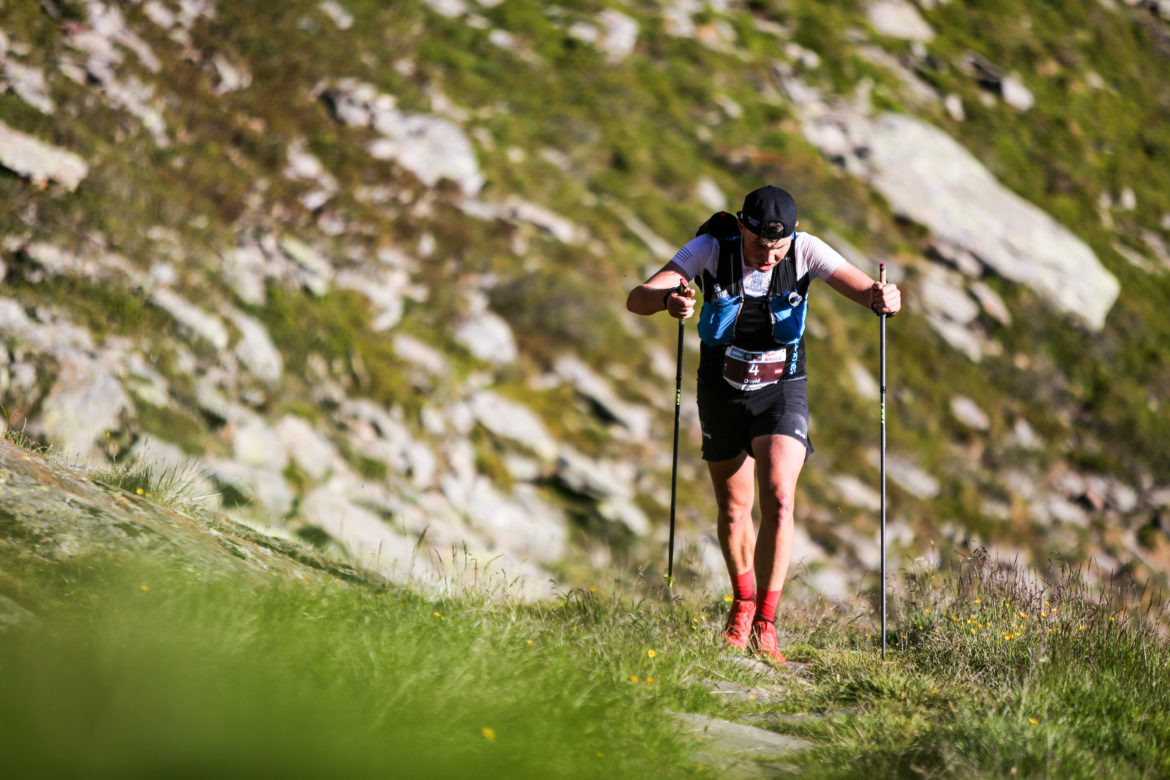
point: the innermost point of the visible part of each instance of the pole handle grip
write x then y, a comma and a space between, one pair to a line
882, 273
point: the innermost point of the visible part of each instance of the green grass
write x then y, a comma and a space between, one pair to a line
991, 674
144, 667
170, 486
144, 671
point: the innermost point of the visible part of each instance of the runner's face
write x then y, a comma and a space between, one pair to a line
763, 254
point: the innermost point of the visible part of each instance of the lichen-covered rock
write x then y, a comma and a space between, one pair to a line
432, 148
84, 402
56, 513
929, 178
199, 322
255, 348
513, 422
38, 161
898, 19
28, 83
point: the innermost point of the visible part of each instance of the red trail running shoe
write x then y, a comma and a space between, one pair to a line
764, 641
739, 623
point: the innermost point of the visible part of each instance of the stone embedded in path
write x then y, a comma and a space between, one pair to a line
726, 690
737, 750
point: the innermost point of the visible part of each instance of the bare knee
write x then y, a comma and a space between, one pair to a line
778, 505
734, 513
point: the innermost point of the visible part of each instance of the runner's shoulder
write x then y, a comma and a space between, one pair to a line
702, 251
817, 253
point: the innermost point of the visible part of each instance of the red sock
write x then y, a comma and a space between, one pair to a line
743, 586
766, 605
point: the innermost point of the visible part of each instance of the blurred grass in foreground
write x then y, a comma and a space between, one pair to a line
134, 666
133, 670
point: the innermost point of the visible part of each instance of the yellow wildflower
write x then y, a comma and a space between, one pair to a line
488, 734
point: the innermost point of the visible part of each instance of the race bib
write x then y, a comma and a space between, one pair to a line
746, 370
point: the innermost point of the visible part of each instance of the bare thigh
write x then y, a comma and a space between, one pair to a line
779, 460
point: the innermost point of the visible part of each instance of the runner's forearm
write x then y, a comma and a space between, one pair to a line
646, 300
650, 296
853, 283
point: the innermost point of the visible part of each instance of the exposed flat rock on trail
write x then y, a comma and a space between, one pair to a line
53, 512
741, 751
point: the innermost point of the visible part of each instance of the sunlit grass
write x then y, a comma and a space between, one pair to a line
145, 670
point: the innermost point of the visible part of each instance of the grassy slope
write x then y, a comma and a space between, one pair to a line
139, 667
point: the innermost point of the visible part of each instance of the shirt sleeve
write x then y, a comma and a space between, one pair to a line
701, 252
820, 258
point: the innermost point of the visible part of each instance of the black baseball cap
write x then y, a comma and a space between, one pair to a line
765, 205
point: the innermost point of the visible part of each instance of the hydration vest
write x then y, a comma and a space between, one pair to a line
730, 318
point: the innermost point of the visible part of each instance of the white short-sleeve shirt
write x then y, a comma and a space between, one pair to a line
812, 256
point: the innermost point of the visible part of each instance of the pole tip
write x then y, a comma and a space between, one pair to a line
669, 580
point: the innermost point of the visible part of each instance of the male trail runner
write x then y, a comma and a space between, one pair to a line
755, 272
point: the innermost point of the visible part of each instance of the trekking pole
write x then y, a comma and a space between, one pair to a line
682, 287
882, 279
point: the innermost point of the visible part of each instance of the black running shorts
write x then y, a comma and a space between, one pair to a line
731, 419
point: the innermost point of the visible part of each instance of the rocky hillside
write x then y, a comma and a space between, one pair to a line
361, 266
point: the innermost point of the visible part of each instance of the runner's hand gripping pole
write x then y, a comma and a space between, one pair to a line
882, 280
682, 288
